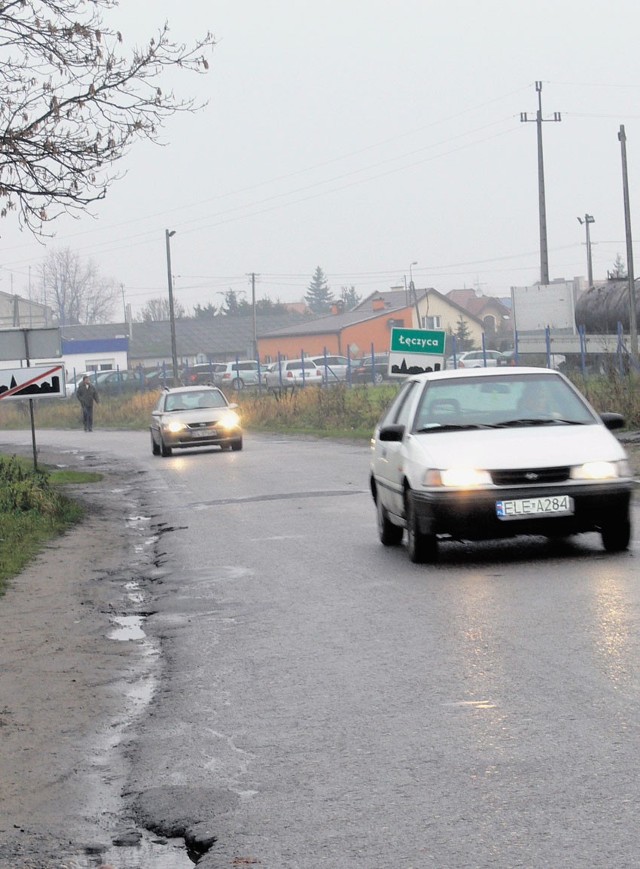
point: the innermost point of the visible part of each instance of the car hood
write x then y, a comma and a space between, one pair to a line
203, 414
533, 446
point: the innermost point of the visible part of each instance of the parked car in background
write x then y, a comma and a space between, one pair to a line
370, 370
476, 359
203, 373
194, 416
494, 453
116, 382
239, 374
159, 378
334, 369
289, 373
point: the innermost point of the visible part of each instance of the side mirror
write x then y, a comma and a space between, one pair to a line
612, 421
391, 433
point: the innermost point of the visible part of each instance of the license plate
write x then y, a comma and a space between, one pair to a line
523, 508
205, 433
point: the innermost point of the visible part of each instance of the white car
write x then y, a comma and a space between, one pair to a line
491, 453
476, 359
335, 369
72, 383
289, 373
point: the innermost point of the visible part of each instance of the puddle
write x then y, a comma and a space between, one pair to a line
127, 628
151, 852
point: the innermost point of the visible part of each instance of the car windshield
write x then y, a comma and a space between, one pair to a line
193, 400
500, 402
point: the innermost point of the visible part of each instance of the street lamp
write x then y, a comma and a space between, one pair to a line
172, 318
411, 286
588, 218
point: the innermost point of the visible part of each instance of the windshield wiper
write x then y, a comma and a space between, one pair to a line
523, 421
438, 427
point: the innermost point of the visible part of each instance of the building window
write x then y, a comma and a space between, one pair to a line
432, 322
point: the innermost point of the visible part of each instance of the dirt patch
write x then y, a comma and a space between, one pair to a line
68, 689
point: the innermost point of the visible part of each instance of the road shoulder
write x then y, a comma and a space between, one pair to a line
67, 685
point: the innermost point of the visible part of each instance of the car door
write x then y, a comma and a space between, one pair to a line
388, 456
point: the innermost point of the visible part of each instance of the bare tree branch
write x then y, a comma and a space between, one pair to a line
72, 104
75, 291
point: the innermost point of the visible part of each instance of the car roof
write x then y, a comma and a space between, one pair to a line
201, 388
462, 373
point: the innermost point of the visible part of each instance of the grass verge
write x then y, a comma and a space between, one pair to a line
33, 510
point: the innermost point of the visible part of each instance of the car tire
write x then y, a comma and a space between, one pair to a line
238, 384
422, 548
236, 445
155, 449
165, 451
389, 534
616, 533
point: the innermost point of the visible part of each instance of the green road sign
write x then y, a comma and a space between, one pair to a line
422, 341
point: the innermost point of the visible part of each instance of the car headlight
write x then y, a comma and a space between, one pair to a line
174, 426
459, 478
229, 420
601, 470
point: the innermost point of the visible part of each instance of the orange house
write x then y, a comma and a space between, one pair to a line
359, 332
354, 333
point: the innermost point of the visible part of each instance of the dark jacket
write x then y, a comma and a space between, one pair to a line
86, 394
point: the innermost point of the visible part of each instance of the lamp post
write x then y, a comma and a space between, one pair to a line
633, 325
588, 218
172, 318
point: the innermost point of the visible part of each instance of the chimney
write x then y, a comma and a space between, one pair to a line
378, 303
338, 306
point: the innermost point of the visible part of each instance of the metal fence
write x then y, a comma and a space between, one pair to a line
578, 352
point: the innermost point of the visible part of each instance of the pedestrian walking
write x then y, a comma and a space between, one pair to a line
87, 395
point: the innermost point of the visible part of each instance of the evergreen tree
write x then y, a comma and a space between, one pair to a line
464, 341
204, 312
350, 298
619, 271
233, 306
319, 297
268, 306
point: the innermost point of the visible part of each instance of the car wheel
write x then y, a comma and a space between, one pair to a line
422, 548
164, 449
378, 377
236, 445
389, 534
238, 384
616, 533
155, 449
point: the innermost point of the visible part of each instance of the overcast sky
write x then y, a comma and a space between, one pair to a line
362, 136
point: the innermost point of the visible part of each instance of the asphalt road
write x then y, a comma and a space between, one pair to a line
322, 702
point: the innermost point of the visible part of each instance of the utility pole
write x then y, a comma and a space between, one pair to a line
412, 289
172, 317
633, 325
542, 207
588, 218
253, 314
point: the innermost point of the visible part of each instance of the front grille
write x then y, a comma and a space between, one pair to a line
530, 476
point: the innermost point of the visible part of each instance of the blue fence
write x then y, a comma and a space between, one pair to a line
372, 368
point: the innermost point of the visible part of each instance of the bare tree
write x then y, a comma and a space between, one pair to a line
75, 291
158, 309
71, 103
